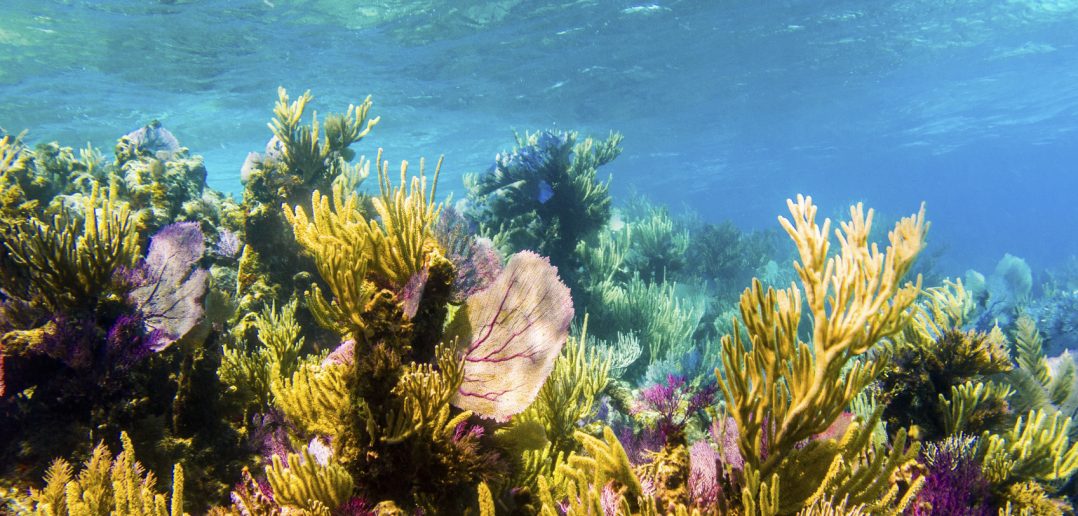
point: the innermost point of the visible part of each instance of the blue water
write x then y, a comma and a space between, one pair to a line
727, 107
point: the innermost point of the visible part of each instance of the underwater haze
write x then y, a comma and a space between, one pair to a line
728, 108
612, 258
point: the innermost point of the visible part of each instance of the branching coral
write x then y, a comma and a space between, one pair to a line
566, 401
305, 150
663, 320
780, 390
71, 260
356, 256
658, 245
1036, 448
249, 374
544, 195
103, 486
298, 160
595, 480
309, 484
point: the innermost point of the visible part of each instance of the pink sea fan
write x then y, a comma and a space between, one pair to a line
172, 287
509, 336
703, 474
345, 354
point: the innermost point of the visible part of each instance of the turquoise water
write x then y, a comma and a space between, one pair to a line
728, 108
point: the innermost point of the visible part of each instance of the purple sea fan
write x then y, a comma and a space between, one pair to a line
476, 261
228, 244
170, 297
124, 342
509, 336
70, 341
703, 474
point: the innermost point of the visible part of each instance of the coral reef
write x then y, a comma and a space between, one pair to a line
372, 352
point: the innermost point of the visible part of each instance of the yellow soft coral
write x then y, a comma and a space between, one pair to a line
357, 256
780, 390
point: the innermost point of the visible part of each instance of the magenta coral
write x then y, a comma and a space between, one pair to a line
703, 474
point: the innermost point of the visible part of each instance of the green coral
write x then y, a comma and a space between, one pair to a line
1038, 386
306, 151
566, 400
1036, 448
582, 478
357, 256
316, 399
659, 245
661, 319
942, 379
66, 265
249, 375
162, 187
299, 160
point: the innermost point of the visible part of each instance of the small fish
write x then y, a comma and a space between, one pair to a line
545, 192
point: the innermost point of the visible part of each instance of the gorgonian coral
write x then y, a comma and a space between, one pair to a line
544, 195
509, 336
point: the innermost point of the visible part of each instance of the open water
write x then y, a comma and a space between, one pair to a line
728, 107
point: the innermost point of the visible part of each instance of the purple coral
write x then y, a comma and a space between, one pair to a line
703, 474
954, 483
476, 261
509, 336
675, 402
171, 289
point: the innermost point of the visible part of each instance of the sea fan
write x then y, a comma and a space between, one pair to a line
509, 336
170, 294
